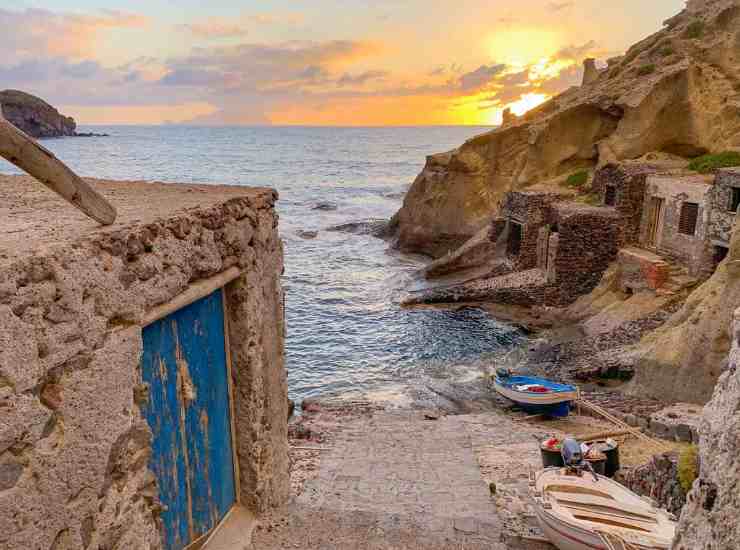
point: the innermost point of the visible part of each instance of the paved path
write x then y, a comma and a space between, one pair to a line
393, 481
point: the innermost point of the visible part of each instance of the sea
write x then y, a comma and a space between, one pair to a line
347, 335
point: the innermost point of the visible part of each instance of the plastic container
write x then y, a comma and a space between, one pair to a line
598, 464
611, 449
551, 457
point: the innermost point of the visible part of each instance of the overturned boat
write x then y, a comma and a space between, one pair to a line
585, 511
536, 395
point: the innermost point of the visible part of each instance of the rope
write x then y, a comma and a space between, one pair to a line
622, 425
612, 539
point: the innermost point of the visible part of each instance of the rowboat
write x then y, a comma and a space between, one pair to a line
537, 395
592, 512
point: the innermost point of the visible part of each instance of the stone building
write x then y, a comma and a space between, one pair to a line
725, 200
675, 220
622, 186
142, 380
522, 216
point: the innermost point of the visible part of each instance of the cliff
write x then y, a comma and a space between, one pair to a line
34, 116
709, 519
677, 91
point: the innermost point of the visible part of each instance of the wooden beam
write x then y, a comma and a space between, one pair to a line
194, 292
28, 155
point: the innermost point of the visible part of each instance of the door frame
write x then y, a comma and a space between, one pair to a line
656, 215
190, 295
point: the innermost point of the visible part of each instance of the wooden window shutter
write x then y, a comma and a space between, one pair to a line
689, 217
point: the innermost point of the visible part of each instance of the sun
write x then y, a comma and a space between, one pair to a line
527, 102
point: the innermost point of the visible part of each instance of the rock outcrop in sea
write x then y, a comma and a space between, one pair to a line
34, 116
677, 91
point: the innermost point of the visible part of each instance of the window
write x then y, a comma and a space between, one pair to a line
735, 199
689, 217
610, 195
514, 245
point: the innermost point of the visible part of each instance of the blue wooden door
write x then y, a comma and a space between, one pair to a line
184, 364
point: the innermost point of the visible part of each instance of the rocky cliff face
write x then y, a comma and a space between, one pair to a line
677, 91
683, 358
709, 520
34, 116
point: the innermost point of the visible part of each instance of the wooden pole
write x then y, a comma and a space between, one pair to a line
28, 155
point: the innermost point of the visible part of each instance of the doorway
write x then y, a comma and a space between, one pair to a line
185, 367
656, 208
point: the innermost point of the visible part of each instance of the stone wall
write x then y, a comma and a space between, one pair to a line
721, 216
640, 269
628, 181
710, 518
657, 479
533, 211
587, 243
693, 251
74, 447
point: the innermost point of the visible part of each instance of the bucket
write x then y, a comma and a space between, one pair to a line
598, 464
611, 449
551, 457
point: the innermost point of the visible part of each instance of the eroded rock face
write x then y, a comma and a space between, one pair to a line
709, 519
670, 92
683, 359
34, 116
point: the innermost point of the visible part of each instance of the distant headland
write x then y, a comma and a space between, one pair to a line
36, 117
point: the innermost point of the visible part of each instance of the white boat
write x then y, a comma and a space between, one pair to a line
590, 512
537, 395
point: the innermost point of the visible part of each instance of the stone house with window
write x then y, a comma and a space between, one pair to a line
725, 200
675, 220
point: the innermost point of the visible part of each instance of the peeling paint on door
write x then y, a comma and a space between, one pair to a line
184, 363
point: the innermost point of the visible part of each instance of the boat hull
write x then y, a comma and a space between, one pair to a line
556, 403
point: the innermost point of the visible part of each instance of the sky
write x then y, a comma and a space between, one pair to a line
310, 62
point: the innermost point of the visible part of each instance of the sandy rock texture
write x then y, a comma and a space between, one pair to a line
677, 91
684, 358
74, 446
34, 116
709, 520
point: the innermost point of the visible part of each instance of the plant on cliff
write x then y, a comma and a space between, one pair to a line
646, 69
694, 30
577, 180
688, 467
709, 163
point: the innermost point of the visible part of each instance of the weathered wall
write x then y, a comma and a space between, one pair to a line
628, 180
74, 447
721, 217
587, 243
691, 250
657, 479
709, 520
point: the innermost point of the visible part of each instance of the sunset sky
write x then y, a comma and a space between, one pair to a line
312, 62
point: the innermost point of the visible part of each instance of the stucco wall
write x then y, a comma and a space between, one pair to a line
74, 447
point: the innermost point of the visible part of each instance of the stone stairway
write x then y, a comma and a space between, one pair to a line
678, 280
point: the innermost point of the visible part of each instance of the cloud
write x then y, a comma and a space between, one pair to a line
480, 77
34, 33
362, 78
578, 53
223, 27
559, 6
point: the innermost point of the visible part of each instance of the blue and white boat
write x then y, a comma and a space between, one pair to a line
536, 395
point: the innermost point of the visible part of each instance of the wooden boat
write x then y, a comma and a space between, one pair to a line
590, 512
537, 395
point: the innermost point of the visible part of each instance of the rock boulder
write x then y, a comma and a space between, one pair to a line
34, 116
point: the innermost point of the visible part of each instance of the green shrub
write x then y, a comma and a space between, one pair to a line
694, 30
709, 163
688, 467
646, 70
666, 51
577, 180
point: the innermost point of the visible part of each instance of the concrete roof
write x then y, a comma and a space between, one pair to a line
33, 218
